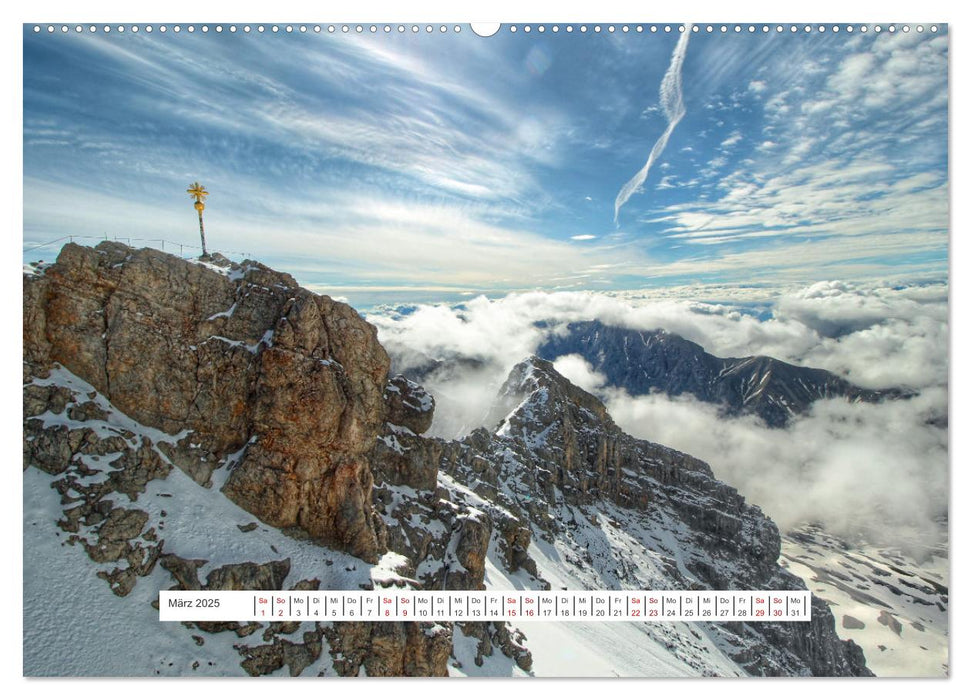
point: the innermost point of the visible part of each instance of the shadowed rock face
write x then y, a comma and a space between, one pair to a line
239, 357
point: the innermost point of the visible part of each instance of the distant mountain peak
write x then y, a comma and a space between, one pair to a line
536, 394
642, 362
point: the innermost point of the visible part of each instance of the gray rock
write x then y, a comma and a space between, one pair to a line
409, 405
248, 576
114, 534
886, 618
49, 450
184, 571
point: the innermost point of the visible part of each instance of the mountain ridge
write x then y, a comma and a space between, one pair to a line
645, 361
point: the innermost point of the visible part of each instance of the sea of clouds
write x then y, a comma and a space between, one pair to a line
873, 471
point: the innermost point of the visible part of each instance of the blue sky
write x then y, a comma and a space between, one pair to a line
427, 165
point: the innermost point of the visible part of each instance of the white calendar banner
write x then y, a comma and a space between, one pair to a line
461, 606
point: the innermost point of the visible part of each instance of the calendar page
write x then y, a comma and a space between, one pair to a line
523, 349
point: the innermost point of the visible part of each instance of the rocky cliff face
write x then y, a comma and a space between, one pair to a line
142, 370
628, 513
226, 358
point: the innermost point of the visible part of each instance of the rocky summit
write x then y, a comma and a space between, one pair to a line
210, 425
228, 358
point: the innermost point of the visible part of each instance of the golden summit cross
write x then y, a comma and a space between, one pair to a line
199, 192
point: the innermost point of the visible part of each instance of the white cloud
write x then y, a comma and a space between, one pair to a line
386, 108
887, 336
862, 470
733, 138
757, 86
830, 197
672, 100
853, 145
878, 337
580, 372
877, 469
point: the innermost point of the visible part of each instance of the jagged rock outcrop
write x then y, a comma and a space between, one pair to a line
646, 361
103, 472
492, 635
401, 457
225, 359
389, 649
557, 467
409, 405
568, 471
445, 535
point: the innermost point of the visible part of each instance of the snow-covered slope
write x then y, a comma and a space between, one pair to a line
598, 544
892, 605
74, 625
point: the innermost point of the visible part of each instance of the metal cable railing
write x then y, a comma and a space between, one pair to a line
160, 243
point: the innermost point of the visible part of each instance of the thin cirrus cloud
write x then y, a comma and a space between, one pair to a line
381, 241
672, 102
456, 143
834, 158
